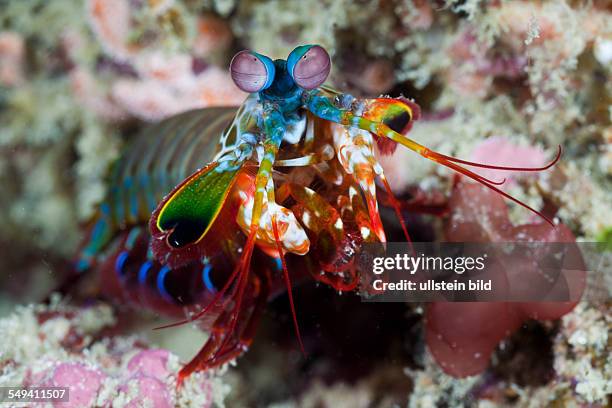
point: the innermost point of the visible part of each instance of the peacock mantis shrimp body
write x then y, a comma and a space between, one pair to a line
290, 186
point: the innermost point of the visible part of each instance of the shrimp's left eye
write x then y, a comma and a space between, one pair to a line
309, 66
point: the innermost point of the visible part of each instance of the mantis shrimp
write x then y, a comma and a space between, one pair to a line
291, 185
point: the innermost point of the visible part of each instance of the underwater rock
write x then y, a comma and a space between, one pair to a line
79, 348
583, 362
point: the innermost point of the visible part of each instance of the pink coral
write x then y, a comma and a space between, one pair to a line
502, 152
166, 69
155, 99
150, 392
152, 362
77, 348
473, 68
110, 21
84, 383
12, 54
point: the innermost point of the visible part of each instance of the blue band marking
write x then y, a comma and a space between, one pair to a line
279, 264
98, 230
105, 209
149, 251
120, 263
127, 183
117, 196
131, 198
134, 205
142, 273
160, 283
206, 279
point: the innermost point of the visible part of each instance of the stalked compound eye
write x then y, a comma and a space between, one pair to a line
309, 66
252, 72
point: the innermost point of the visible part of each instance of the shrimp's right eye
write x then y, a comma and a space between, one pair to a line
252, 72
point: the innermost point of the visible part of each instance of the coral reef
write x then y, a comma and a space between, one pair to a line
504, 82
581, 371
62, 346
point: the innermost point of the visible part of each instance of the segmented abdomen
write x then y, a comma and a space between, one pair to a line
118, 245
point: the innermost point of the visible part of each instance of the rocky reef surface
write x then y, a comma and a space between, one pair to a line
504, 82
61, 346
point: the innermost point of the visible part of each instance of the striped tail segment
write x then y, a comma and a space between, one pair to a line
157, 160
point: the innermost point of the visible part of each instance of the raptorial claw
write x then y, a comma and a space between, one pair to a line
397, 113
291, 235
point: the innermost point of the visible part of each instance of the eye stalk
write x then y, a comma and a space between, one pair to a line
309, 66
252, 72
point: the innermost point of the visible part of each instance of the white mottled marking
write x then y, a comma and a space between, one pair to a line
365, 232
